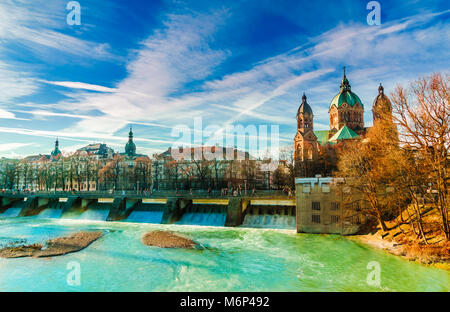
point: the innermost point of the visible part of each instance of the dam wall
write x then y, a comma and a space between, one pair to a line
183, 210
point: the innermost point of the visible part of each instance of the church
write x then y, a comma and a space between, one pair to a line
346, 115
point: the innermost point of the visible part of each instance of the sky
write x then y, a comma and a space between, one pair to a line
155, 65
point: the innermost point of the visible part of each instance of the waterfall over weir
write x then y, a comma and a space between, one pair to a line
13, 211
258, 213
53, 211
96, 212
204, 214
147, 213
270, 217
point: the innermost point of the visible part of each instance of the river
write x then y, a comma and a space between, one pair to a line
232, 259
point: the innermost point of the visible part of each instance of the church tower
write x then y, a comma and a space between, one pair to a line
306, 146
346, 110
56, 152
381, 105
130, 148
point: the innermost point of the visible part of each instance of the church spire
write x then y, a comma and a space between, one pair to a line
345, 85
130, 134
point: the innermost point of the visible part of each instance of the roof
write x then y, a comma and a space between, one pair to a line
304, 107
344, 133
348, 97
345, 95
322, 136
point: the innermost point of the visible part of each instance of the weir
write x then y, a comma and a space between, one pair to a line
205, 212
53, 210
147, 211
183, 210
278, 214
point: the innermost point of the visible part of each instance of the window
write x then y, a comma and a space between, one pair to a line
315, 205
316, 219
334, 206
334, 219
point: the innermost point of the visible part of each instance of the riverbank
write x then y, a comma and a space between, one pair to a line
54, 247
437, 255
402, 240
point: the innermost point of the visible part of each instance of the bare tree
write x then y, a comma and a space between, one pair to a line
422, 114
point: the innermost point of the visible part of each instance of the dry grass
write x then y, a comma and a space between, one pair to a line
401, 239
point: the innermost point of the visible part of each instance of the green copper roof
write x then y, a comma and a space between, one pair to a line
56, 151
322, 136
344, 133
345, 97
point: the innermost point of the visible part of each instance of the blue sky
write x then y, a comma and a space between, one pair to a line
157, 64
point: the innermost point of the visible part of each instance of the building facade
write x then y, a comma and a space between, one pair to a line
325, 205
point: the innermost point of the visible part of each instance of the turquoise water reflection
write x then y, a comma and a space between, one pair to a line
234, 259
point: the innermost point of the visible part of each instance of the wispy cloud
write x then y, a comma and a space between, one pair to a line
14, 83
70, 135
178, 72
80, 85
37, 28
8, 147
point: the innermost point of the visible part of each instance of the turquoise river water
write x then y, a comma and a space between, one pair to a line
233, 259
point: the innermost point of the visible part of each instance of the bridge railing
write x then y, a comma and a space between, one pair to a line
158, 193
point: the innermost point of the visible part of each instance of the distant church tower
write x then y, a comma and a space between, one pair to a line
306, 146
56, 152
130, 147
346, 109
381, 105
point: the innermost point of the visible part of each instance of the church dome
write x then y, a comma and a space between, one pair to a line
345, 95
130, 148
304, 107
382, 101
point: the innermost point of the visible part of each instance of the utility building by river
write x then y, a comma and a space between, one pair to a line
326, 205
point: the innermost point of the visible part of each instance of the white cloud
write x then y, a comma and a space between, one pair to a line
37, 26
14, 83
80, 85
86, 135
12, 146
154, 94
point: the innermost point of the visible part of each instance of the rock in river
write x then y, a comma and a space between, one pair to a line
166, 239
55, 247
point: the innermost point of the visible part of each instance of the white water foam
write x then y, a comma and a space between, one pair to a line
94, 214
275, 221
